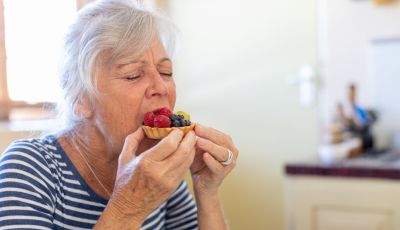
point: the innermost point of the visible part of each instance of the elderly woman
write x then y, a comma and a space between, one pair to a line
100, 171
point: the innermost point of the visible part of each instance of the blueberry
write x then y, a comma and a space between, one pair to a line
175, 123
174, 117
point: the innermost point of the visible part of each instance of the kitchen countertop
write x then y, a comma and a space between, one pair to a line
383, 165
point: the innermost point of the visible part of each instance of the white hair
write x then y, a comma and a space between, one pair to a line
124, 28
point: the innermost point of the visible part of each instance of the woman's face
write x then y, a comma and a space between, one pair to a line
130, 90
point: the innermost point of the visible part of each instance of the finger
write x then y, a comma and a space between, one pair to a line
213, 164
166, 146
213, 135
198, 162
217, 137
184, 155
131, 144
146, 144
220, 153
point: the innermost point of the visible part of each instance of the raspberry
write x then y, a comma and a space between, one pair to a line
149, 119
164, 111
162, 121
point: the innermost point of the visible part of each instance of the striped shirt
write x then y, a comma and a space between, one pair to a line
41, 189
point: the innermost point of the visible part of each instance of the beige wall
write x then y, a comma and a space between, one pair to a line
7, 136
231, 71
10, 131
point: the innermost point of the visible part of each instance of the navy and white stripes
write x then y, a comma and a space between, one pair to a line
41, 189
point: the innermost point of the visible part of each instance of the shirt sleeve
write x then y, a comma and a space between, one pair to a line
181, 210
26, 188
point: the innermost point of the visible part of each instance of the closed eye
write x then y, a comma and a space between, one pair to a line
166, 74
132, 77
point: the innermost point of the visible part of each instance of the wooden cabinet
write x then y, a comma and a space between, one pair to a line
340, 203
348, 217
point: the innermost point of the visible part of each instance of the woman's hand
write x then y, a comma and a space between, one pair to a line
212, 148
147, 179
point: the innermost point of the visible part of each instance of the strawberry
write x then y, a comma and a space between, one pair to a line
162, 121
164, 111
149, 119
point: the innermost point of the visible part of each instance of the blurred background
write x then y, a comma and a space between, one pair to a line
306, 88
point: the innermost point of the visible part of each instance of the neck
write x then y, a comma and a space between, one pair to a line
94, 159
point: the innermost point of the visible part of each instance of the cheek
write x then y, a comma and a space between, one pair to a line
130, 106
122, 108
172, 94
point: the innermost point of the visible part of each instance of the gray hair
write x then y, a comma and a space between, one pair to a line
125, 28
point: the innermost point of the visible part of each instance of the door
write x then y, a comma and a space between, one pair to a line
232, 71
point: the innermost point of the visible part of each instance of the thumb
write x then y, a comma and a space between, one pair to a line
131, 145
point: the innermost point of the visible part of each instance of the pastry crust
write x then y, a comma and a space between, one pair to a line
159, 133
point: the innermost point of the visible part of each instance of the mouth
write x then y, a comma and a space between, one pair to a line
155, 110
162, 107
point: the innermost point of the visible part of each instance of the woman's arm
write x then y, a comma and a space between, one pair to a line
145, 181
208, 172
113, 218
210, 213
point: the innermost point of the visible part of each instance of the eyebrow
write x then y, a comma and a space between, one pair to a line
164, 59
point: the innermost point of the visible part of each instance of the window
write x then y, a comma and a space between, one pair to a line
31, 35
33, 32
33, 38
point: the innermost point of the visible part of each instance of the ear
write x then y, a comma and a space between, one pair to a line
83, 108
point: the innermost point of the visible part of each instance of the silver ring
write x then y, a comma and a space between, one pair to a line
229, 160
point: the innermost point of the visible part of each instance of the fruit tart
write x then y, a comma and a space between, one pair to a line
159, 123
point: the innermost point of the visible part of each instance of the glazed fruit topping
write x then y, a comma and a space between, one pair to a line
149, 119
179, 121
164, 118
185, 115
164, 111
162, 121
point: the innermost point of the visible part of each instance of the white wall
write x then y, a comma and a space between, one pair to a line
384, 91
347, 28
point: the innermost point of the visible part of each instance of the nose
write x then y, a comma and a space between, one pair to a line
158, 85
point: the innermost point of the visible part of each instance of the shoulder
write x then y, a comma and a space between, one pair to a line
28, 166
31, 158
37, 150
27, 183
